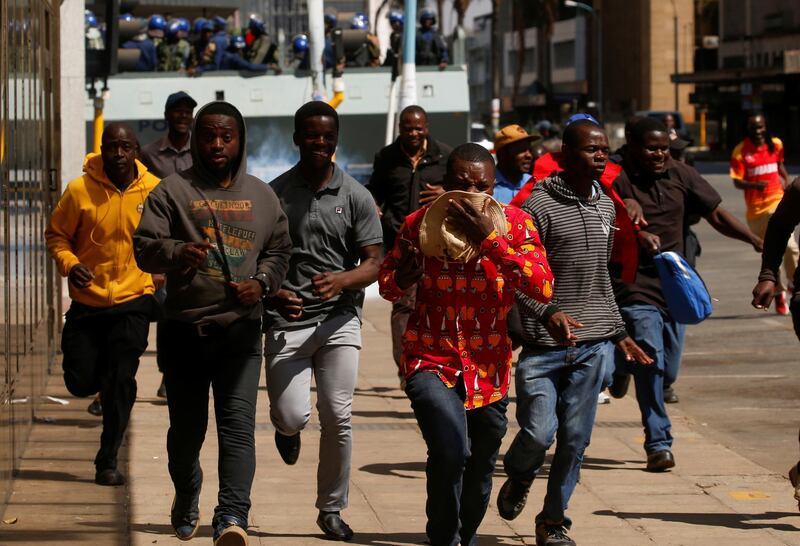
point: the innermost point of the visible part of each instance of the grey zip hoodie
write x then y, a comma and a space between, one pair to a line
190, 207
577, 234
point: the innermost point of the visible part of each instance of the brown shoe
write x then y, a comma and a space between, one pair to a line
660, 461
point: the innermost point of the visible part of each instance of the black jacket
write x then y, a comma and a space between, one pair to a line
395, 185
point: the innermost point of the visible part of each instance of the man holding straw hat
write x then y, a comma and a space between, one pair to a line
468, 256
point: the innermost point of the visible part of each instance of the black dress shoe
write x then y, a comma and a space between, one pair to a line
660, 461
288, 447
334, 526
109, 476
95, 408
669, 396
512, 498
619, 388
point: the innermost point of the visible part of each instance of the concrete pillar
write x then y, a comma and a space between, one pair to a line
73, 93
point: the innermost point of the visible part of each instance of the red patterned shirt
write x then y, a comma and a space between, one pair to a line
458, 328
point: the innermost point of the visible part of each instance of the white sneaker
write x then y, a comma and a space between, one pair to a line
603, 398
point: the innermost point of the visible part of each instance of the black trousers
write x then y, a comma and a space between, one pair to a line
462, 454
227, 360
101, 350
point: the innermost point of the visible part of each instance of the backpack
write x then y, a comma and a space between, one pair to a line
684, 291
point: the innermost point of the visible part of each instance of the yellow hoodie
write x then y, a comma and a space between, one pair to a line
93, 224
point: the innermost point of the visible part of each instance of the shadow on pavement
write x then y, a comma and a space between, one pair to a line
732, 521
387, 414
396, 469
49, 475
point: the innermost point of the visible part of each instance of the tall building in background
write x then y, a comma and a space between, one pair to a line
748, 56
643, 43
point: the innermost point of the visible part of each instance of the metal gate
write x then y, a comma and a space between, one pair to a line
29, 175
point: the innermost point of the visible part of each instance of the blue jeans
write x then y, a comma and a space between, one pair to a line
662, 339
556, 400
462, 452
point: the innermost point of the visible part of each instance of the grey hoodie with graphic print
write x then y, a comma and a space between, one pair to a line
245, 218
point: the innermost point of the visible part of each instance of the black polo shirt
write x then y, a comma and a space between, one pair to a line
668, 201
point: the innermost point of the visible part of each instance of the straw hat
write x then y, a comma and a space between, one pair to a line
440, 239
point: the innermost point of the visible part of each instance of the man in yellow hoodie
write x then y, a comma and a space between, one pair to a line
105, 332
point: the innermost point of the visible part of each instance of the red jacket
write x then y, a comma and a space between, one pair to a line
625, 252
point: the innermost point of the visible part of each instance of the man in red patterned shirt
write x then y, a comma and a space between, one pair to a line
456, 351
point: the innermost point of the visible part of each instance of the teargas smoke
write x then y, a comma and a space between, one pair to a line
275, 154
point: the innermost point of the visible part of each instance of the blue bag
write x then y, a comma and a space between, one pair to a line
684, 291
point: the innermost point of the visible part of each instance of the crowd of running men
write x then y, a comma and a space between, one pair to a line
252, 274
176, 45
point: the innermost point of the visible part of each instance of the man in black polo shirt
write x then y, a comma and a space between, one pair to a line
669, 192
314, 321
406, 175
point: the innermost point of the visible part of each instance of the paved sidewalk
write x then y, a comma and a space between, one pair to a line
713, 497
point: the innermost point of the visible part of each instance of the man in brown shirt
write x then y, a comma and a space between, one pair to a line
170, 153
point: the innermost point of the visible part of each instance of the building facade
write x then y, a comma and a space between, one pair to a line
748, 58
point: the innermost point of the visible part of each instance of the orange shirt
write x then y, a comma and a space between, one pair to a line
751, 163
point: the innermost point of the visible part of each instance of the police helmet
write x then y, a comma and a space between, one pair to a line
331, 18
359, 21
300, 43
427, 13
89, 19
156, 22
197, 25
219, 23
396, 16
237, 42
173, 28
183, 25
256, 24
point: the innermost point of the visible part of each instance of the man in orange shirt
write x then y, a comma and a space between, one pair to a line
757, 168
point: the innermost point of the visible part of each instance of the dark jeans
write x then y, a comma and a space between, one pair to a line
462, 452
229, 361
101, 354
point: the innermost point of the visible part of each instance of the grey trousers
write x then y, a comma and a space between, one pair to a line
329, 350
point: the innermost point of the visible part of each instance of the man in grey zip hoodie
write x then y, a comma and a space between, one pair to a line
568, 342
222, 239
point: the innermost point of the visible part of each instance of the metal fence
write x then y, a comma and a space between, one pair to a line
29, 175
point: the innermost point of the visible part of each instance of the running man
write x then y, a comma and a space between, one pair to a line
757, 168
457, 354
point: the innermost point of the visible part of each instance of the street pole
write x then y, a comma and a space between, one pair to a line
316, 27
408, 90
599, 24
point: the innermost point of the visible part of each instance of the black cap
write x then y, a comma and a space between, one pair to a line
175, 98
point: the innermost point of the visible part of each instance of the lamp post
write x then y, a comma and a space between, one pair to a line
675, 52
595, 12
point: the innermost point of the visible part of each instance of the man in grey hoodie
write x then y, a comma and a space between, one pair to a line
569, 342
222, 239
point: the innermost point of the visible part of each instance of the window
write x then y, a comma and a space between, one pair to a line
564, 54
529, 61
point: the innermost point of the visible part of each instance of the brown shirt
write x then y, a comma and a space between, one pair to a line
668, 201
163, 159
